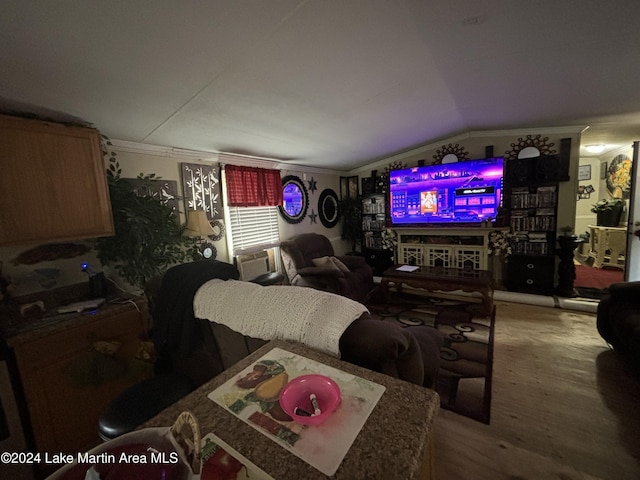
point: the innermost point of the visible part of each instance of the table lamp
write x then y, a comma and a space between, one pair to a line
198, 226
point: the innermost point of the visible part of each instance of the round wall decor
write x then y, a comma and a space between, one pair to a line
541, 144
450, 154
218, 228
328, 208
295, 199
208, 251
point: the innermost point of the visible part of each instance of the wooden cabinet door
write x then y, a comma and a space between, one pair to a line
52, 184
68, 383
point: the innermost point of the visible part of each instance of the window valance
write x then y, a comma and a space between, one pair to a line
253, 187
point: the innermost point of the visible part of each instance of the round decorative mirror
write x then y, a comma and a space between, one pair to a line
295, 199
328, 208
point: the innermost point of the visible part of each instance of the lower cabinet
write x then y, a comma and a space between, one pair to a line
463, 248
531, 273
463, 257
70, 375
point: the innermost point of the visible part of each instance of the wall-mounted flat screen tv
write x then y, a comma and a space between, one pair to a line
459, 193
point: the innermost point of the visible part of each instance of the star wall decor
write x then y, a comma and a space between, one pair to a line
312, 185
313, 216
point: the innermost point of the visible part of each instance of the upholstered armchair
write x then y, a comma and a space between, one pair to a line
309, 261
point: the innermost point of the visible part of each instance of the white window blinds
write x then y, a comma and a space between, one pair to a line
253, 228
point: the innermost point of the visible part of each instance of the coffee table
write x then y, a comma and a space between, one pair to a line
442, 279
395, 442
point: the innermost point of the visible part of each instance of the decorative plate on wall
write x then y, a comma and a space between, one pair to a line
328, 208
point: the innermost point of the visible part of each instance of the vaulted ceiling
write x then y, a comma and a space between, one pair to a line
334, 84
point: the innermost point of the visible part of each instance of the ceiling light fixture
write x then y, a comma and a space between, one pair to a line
594, 148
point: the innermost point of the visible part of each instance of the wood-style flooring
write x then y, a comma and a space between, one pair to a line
563, 406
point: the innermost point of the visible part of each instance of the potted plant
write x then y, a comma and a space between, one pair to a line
351, 210
608, 211
567, 231
147, 239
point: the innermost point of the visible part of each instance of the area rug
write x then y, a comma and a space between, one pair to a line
597, 278
594, 283
466, 358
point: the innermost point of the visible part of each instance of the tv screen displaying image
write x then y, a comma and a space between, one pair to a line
454, 193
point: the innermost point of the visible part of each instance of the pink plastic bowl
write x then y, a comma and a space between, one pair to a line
297, 393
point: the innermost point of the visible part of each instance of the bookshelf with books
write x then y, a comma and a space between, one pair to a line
374, 222
533, 221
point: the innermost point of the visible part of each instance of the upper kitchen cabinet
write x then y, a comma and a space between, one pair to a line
53, 184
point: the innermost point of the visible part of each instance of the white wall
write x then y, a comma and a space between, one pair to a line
584, 215
165, 163
169, 169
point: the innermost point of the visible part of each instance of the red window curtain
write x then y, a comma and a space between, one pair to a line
253, 187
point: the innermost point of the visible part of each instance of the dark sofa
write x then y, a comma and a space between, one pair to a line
191, 351
618, 322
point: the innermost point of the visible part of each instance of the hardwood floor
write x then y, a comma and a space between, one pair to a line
563, 406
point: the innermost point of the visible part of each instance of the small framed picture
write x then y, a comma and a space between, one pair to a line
353, 187
584, 172
603, 171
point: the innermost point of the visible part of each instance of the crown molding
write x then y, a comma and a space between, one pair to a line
569, 130
161, 151
429, 147
220, 157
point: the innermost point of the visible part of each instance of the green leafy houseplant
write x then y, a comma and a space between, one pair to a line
351, 211
609, 211
147, 239
608, 205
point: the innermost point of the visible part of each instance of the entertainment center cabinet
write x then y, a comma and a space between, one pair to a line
464, 248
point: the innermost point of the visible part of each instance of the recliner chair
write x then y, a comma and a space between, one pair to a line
618, 322
298, 254
186, 356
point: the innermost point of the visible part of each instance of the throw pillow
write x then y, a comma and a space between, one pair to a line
338, 263
326, 263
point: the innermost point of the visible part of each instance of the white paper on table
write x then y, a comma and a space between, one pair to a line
407, 268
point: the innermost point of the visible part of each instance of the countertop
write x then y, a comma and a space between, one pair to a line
393, 443
16, 330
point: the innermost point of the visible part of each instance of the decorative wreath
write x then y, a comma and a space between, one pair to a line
217, 224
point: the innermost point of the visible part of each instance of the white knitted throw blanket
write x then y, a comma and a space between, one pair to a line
312, 317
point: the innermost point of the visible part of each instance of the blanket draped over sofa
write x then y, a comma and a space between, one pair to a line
316, 318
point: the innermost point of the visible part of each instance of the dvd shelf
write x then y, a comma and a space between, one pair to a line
533, 222
374, 221
533, 219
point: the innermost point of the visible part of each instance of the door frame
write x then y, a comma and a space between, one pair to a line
632, 257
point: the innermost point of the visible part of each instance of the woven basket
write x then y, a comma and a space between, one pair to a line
171, 452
